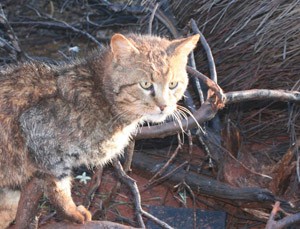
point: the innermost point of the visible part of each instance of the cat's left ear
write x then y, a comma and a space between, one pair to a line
121, 47
184, 46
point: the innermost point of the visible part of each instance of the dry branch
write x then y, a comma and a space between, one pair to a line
262, 94
28, 204
87, 225
206, 186
283, 223
251, 52
207, 111
137, 198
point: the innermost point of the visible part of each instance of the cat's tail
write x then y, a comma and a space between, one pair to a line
8, 206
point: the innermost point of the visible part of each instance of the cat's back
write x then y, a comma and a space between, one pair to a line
21, 86
25, 84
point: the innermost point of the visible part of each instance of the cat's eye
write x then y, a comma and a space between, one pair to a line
146, 85
173, 84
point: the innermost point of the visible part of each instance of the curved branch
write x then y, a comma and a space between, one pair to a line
262, 94
210, 58
213, 86
207, 111
203, 114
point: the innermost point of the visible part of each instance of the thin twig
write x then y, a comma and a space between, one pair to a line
194, 204
161, 16
195, 80
14, 48
57, 24
151, 18
210, 58
137, 198
156, 220
95, 183
134, 189
162, 169
168, 174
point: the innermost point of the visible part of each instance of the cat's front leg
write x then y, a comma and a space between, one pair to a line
59, 194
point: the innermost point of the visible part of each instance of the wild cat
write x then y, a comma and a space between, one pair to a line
55, 118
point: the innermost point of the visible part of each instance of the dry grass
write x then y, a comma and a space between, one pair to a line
255, 45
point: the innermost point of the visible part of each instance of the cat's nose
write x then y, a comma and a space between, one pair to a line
162, 107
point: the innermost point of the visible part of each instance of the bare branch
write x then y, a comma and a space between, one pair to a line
210, 58
152, 17
206, 112
283, 223
137, 198
262, 94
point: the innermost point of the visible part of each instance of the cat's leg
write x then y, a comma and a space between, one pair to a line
59, 194
8, 206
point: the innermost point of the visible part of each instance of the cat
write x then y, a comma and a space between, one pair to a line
56, 118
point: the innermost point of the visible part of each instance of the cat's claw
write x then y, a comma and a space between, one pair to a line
86, 213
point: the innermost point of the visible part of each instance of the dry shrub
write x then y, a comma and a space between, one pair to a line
255, 45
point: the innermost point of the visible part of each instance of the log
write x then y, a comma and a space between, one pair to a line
206, 186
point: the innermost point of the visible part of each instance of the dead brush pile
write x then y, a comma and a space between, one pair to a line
255, 45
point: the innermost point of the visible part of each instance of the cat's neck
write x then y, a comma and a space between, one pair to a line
102, 77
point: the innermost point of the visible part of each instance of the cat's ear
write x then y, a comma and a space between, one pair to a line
121, 47
183, 46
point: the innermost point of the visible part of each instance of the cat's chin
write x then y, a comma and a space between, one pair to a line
155, 118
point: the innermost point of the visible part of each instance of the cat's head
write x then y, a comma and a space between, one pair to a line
148, 74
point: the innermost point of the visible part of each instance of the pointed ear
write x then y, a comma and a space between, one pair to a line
121, 46
184, 46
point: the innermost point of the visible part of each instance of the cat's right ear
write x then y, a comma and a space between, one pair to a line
184, 46
121, 47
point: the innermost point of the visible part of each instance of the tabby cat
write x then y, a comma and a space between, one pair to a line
55, 118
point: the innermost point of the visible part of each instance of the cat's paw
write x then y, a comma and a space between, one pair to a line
86, 213
79, 214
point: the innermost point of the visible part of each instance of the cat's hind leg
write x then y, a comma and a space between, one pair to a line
9, 200
59, 194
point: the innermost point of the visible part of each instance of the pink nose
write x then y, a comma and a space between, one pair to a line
162, 107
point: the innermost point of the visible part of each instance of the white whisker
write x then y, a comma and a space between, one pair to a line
190, 113
177, 118
182, 114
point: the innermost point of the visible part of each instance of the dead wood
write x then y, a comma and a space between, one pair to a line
87, 225
203, 114
28, 204
93, 186
283, 223
283, 171
207, 186
137, 198
262, 94
208, 110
